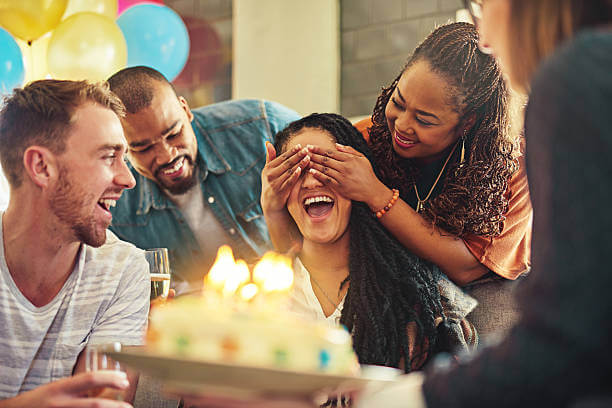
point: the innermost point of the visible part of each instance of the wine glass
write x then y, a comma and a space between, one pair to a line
97, 360
159, 268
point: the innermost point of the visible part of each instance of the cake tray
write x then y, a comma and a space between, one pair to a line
196, 376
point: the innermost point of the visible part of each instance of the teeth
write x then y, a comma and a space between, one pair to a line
108, 203
404, 140
312, 200
174, 168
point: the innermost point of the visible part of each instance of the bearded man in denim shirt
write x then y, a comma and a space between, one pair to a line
198, 173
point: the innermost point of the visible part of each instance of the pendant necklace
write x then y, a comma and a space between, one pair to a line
421, 203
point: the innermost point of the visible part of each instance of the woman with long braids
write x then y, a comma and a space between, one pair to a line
351, 270
440, 136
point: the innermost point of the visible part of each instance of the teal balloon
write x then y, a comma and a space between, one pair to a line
12, 71
156, 37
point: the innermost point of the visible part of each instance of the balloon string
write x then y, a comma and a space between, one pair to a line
31, 52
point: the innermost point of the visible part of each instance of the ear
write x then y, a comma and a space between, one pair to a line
185, 107
40, 165
468, 124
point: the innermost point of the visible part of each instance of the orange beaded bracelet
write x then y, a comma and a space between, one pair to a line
382, 212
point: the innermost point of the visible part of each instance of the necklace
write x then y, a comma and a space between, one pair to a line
329, 299
421, 203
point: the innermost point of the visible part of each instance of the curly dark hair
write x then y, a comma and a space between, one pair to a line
473, 199
389, 286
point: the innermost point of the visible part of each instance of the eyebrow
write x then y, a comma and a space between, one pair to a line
147, 142
114, 147
419, 111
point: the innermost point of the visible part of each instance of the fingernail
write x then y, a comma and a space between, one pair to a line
309, 147
312, 171
305, 150
297, 147
339, 145
124, 383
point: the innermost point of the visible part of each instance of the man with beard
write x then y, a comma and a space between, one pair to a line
66, 281
198, 173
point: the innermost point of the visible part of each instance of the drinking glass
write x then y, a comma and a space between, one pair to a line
159, 268
97, 360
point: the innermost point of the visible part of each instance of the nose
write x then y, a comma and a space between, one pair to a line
405, 123
164, 152
124, 177
309, 181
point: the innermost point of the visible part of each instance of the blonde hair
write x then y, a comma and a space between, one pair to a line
42, 114
539, 26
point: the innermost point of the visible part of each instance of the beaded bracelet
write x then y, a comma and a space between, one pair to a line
382, 212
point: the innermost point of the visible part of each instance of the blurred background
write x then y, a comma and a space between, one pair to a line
312, 56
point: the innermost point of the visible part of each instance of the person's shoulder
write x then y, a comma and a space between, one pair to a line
227, 113
114, 251
363, 126
576, 64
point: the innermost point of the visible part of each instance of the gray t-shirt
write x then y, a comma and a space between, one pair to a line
105, 299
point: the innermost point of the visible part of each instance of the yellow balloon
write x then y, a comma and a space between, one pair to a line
107, 8
29, 19
86, 46
35, 58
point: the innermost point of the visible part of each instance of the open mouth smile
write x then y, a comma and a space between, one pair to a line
174, 169
403, 141
318, 206
107, 203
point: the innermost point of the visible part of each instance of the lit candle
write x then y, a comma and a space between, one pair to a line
273, 273
236, 276
216, 277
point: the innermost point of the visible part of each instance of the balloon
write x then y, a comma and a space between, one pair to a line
206, 54
86, 46
107, 8
29, 19
156, 37
35, 58
123, 4
11, 63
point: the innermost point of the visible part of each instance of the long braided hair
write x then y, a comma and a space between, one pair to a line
473, 199
389, 286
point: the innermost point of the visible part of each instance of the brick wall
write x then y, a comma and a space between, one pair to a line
207, 76
377, 38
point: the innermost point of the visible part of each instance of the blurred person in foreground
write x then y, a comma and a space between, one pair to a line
197, 172
66, 281
560, 52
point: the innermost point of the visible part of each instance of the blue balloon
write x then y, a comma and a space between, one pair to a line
12, 70
156, 37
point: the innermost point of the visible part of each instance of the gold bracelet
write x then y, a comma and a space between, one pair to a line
387, 207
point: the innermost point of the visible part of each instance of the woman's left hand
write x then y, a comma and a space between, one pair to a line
348, 171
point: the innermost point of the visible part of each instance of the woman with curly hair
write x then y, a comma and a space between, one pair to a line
440, 136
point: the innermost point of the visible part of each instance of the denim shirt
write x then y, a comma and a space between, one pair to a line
231, 154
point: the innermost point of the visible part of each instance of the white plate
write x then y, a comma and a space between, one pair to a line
213, 377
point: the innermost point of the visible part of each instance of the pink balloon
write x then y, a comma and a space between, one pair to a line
123, 4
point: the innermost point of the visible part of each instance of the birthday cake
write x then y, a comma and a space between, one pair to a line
242, 319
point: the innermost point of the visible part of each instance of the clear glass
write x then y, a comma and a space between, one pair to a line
159, 268
97, 360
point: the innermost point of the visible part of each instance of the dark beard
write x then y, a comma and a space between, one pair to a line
68, 204
183, 186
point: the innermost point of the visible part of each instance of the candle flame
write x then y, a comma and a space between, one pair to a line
273, 273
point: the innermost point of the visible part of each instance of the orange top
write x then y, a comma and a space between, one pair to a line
508, 254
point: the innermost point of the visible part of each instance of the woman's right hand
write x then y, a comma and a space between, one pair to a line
279, 175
